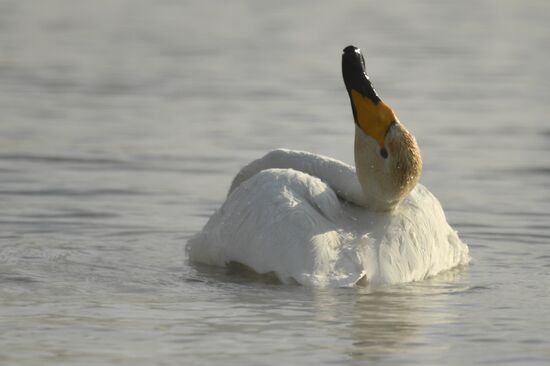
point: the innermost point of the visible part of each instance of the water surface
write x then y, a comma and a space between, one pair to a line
122, 124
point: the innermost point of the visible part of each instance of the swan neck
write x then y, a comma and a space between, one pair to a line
374, 175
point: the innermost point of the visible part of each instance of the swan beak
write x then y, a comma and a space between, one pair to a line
371, 114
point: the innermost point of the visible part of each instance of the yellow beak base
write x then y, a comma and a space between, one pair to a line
373, 118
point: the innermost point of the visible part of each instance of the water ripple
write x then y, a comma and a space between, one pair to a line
71, 192
58, 159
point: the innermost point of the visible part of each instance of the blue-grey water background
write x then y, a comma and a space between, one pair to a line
122, 124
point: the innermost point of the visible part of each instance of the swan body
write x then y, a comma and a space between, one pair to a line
293, 224
316, 221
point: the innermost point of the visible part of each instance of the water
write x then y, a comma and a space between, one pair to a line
122, 124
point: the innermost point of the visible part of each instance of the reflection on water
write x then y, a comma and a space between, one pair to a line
123, 123
388, 323
378, 323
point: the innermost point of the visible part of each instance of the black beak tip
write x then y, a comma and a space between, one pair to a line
355, 74
351, 49
353, 59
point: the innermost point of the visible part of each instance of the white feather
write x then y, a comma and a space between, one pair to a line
302, 227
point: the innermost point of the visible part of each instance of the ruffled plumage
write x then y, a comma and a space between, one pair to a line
295, 225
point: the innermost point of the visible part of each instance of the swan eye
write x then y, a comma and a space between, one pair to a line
384, 152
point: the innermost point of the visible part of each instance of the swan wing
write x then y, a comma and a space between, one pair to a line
282, 221
417, 242
341, 177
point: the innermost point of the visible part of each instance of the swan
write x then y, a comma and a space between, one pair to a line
316, 221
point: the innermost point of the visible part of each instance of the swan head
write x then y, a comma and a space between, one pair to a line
387, 157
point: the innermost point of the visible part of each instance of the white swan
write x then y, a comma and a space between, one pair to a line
320, 222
